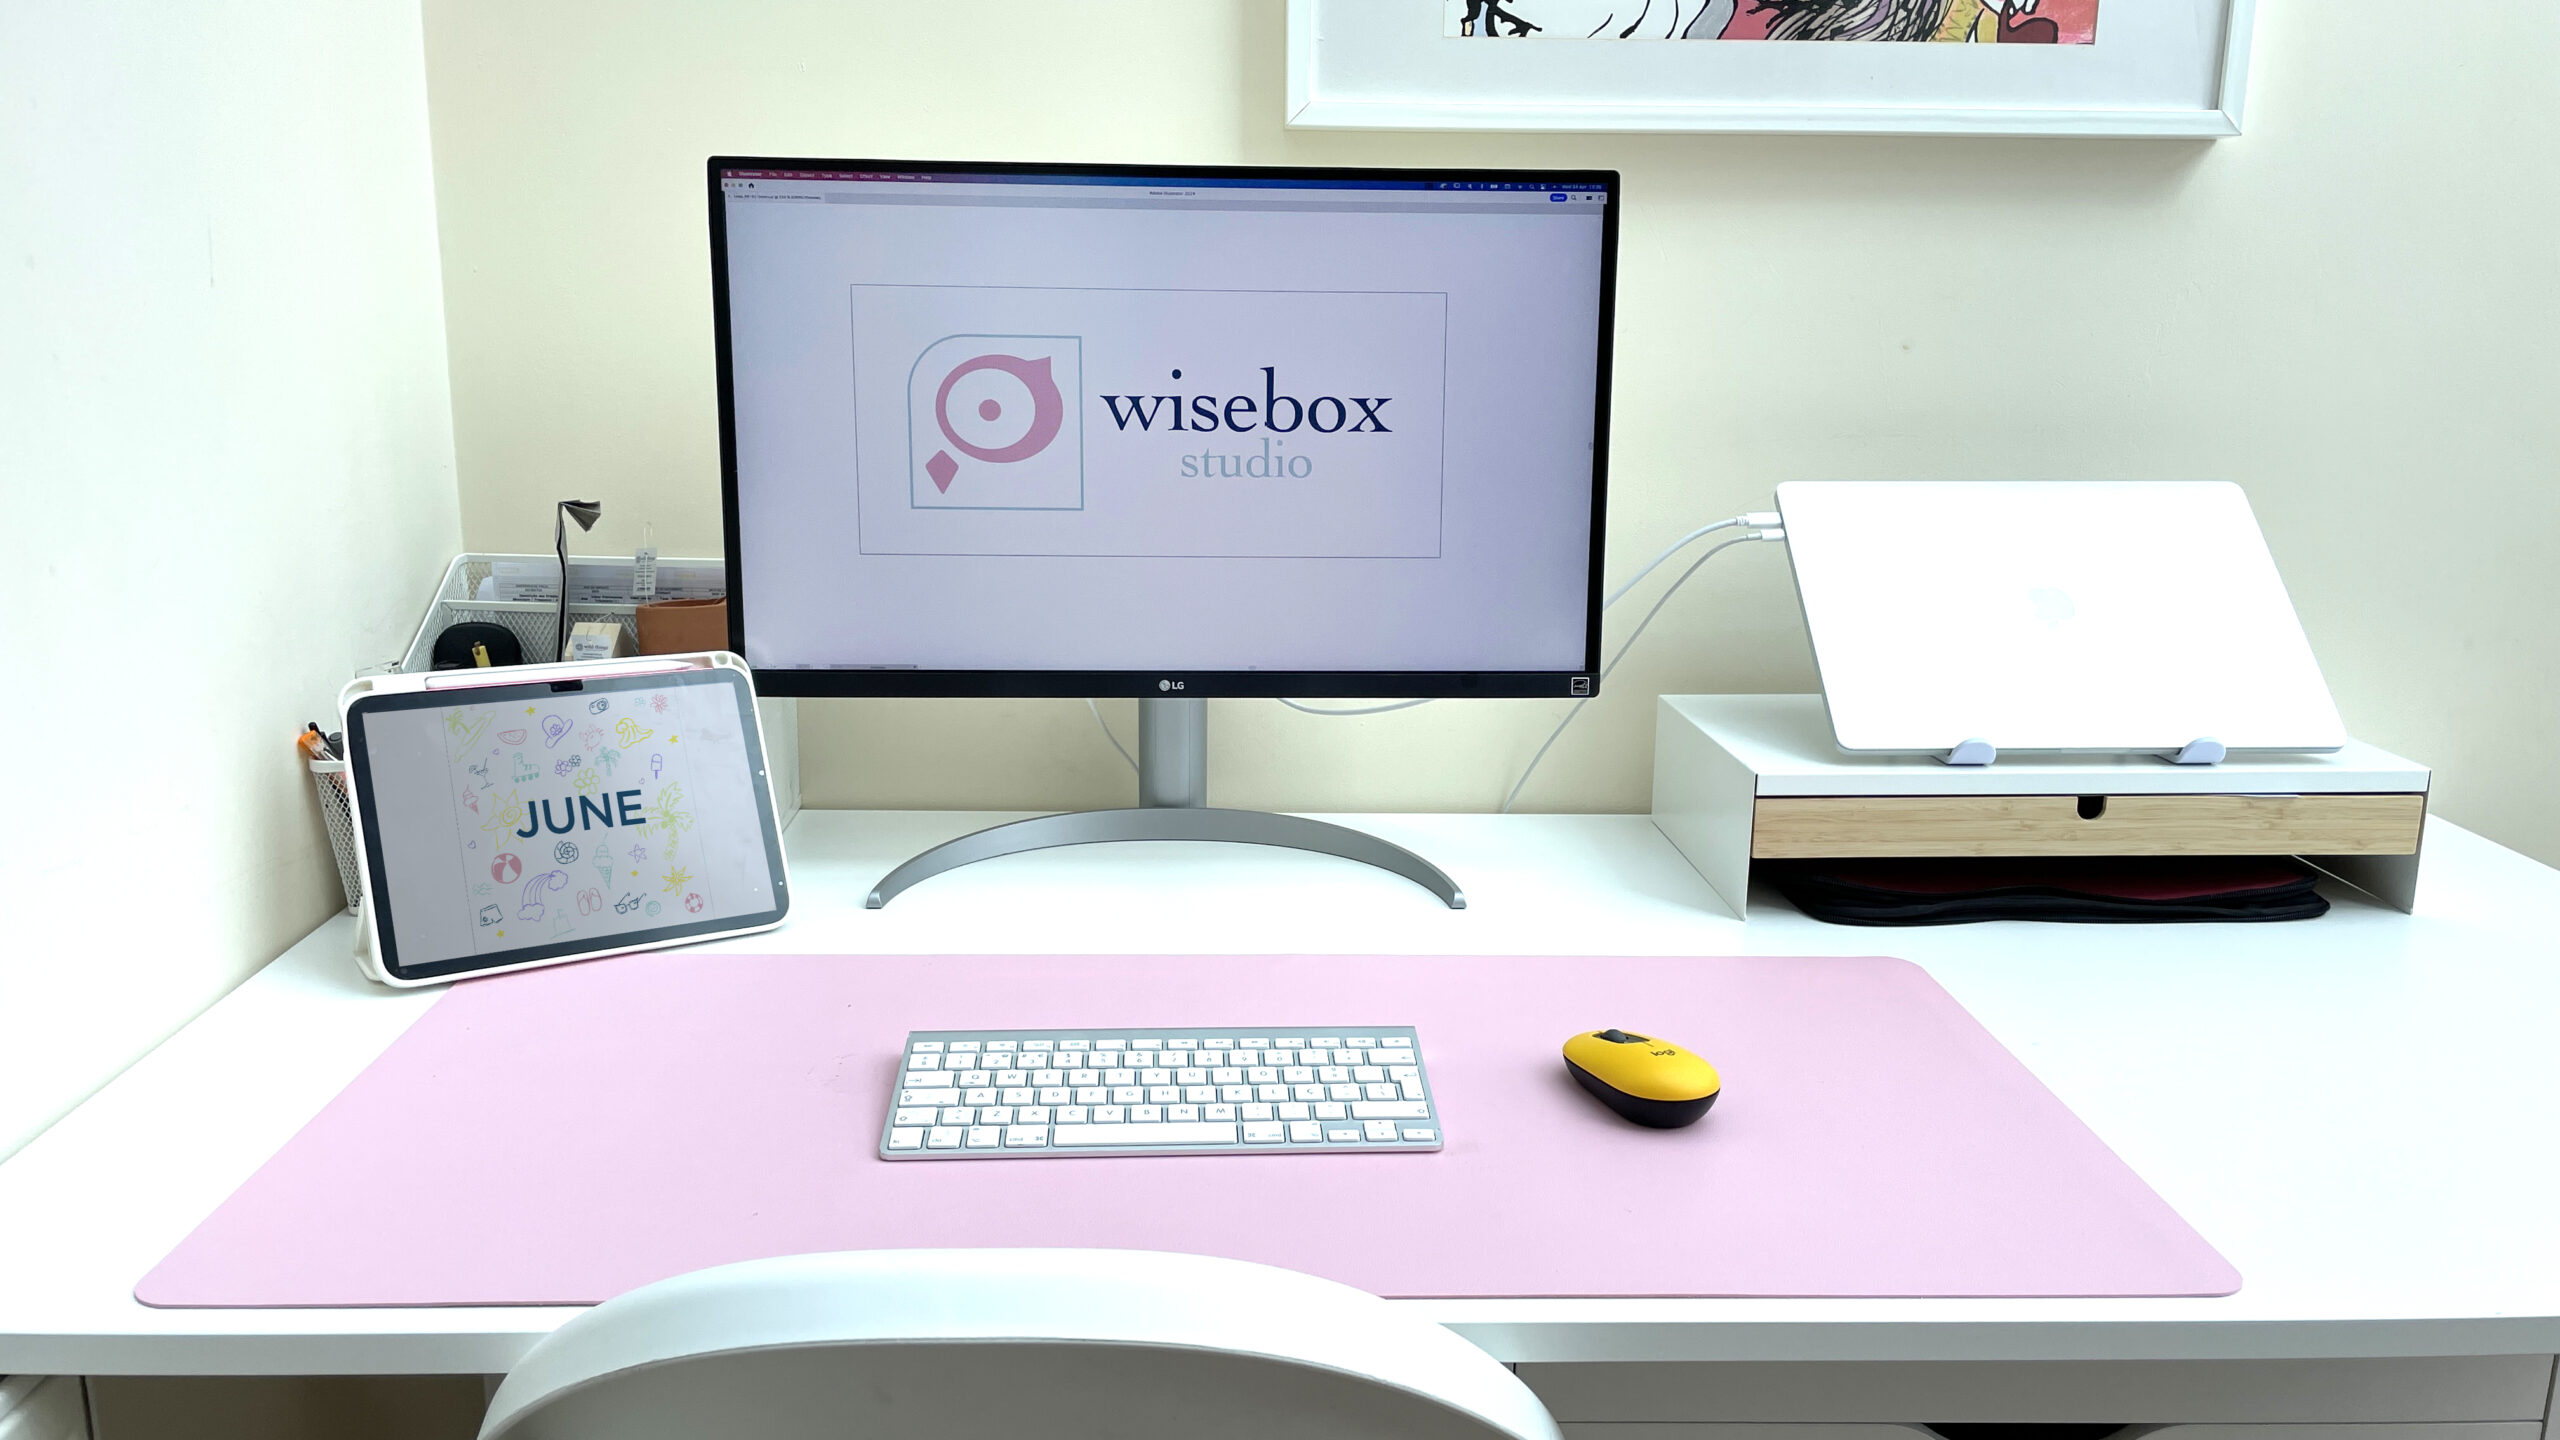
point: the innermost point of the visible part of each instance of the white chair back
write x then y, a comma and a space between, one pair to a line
1013, 1344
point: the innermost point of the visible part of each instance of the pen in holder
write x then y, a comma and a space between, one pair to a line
329, 778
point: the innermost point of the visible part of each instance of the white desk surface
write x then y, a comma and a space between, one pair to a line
2361, 1112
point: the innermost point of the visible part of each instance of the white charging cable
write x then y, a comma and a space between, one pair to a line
1762, 523
1765, 533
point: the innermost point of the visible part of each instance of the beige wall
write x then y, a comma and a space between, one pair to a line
2352, 311
226, 482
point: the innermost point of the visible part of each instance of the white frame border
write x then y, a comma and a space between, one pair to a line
1309, 108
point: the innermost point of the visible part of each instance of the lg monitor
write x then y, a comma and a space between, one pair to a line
1170, 432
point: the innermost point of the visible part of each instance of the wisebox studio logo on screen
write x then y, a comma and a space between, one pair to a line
996, 422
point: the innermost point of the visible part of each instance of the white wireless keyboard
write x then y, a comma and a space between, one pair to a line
1013, 1094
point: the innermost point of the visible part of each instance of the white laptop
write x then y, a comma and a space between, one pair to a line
2077, 616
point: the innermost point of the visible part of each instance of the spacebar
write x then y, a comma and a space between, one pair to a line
1201, 1132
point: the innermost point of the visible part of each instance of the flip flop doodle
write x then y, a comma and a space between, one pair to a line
553, 728
511, 737
465, 729
531, 908
590, 900
631, 732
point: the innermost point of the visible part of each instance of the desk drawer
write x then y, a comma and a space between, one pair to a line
1835, 827
2110, 1392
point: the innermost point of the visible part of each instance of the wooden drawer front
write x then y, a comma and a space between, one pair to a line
1832, 827
2111, 1392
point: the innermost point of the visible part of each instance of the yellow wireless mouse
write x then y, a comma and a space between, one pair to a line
1652, 1082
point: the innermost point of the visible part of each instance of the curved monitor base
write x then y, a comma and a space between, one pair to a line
1093, 827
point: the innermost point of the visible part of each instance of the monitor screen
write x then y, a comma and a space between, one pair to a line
1098, 430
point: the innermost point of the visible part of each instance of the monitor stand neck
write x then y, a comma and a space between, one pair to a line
1173, 804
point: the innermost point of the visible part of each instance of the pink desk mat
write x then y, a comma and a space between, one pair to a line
560, 1136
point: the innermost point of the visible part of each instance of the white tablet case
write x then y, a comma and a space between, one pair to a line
2077, 616
368, 945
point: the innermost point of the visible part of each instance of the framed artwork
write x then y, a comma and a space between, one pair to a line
1925, 67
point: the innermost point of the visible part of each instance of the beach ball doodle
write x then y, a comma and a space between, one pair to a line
506, 868
693, 901
512, 737
596, 707
553, 727
566, 852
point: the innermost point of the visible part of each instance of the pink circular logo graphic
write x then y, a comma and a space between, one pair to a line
1048, 415
505, 869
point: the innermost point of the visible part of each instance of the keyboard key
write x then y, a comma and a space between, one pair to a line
1344, 1091
985, 1137
1056, 1095
906, 1138
1254, 1112
1332, 1110
1305, 1132
1073, 1114
1025, 1137
957, 1046
942, 1137
1127, 1095
970, 1079
1182, 1044
1422, 1133
1325, 1042
983, 1095
1378, 1130
1412, 1089
1030, 1114
1039, 1044
1235, 1094
1306, 1092
1075, 1045
1390, 1057
1146, 1114
957, 1115
1109, 1115
996, 1045
1199, 1094
919, 1115
1146, 1044
1342, 1134
924, 1062
1183, 1114
1009, 1077
1368, 1074
1362, 1042
1110, 1044
927, 1047
1163, 1094
1293, 1110
1333, 1074
1390, 1110
1270, 1092
1155, 1077
1201, 1132
1265, 1133
1383, 1090
1217, 1112
995, 1115
928, 1097
1016, 1095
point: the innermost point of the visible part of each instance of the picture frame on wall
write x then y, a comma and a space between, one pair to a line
2169, 68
